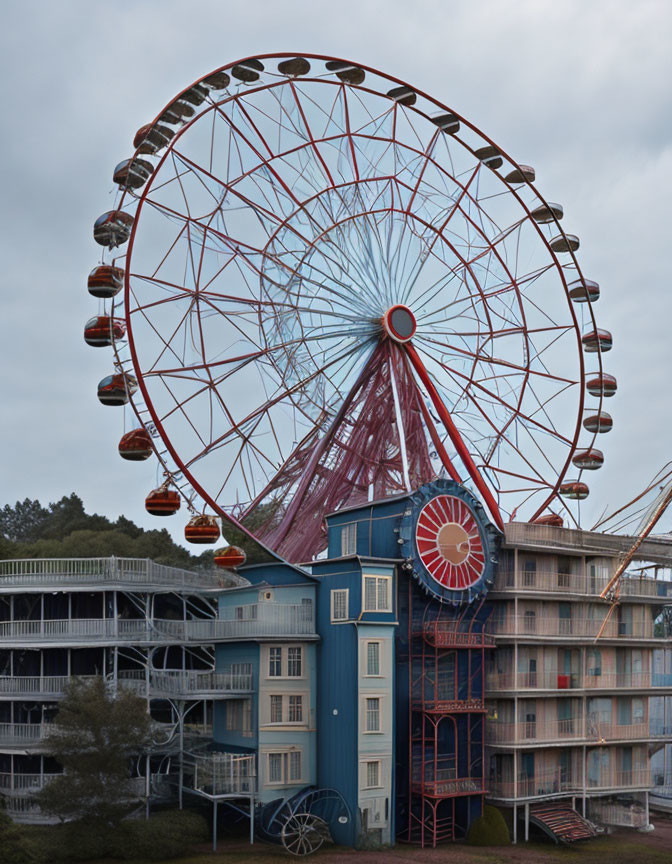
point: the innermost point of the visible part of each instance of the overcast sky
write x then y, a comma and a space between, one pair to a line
580, 90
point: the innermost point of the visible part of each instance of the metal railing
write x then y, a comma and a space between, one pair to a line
552, 581
251, 621
13, 734
551, 679
221, 773
47, 685
587, 628
596, 728
175, 682
25, 573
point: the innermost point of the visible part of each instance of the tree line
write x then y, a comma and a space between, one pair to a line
63, 529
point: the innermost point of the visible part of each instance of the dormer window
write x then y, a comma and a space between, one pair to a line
349, 539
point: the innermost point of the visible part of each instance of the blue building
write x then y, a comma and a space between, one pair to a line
383, 700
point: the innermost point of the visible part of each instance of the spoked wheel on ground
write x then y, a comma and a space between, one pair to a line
336, 288
304, 833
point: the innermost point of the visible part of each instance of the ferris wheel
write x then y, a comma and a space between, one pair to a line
327, 287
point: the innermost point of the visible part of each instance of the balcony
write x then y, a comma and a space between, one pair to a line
22, 734
637, 778
444, 783
135, 573
540, 627
596, 729
551, 679
449, 706
551, 581
444, 634
551, 782
218, 774
241, 622
187, 683
32, 687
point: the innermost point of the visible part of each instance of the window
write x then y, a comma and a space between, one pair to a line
295, 765
239, 717
294, 662
529, 572
372, 775
373, 714
284, 767
276, 709
275, 662
373, 658
275, 761
339, 604
530, 621
295, 709
377, 594
246, 613
594, 662
349, 539
564, 571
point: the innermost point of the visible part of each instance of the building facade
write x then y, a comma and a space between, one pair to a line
426, 664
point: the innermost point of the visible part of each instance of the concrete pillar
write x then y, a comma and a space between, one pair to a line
515, 824
527, 821
251, 821
214, 825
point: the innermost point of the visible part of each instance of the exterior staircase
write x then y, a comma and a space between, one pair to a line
561, 823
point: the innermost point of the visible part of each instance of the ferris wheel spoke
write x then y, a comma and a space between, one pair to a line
454, 373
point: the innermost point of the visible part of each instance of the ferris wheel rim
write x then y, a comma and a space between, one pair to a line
560, 268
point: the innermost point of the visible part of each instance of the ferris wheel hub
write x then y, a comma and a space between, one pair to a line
399, 323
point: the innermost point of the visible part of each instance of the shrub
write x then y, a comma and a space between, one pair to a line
166, 835
490, 829
15, 844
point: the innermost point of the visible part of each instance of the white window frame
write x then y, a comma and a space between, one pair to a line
348, 539
285, 767
346, 593
379, 774
366, 643
271, 649
273, 700
379, 582
379, 699
295, 696
298, 648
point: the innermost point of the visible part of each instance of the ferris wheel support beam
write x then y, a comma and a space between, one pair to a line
454, 435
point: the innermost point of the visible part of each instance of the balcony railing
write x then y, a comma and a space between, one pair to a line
258, 619
579, 583
221, 773
551, 782
32, 686
187, 682
538, 626
596, 728
45, 573
551, 679
20, 734
557, 782
622, 815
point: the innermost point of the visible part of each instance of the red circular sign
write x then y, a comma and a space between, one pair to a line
449, 542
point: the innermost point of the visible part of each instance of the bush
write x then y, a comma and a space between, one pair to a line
490, 829
15, 844
166, 835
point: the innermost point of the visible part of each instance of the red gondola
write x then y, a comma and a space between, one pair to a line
102, 331
575, 490
105, 281
553, 519
132, 173
601, 384
217, 81
347, 73
588, 460
597, 340
202, 529
152, 137
136, 445
600, 422
548, 212
162, 502
112, 228
294, 67
230, 556
117, 389
584, 291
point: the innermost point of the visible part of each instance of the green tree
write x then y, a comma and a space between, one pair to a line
94, 737
24, 521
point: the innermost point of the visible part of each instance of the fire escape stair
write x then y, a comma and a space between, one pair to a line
561, 823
